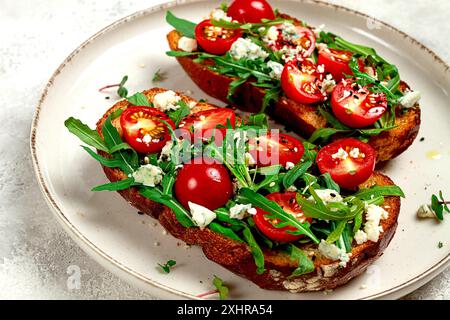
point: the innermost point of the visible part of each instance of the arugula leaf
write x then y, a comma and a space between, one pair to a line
128, 158
221, 288
305, 264
116, 186
178, 114
258, 120
120, 147
122, 91
139, 99
258, 255
357, 222
107, 162
234, 85
158, 76
295, 173
185, 27
167, 266
336, 233
324, 134
377, 191
332, 120
85, 134
227, 232
173, 53
271, 95
437, 207
249, 196
329, 182
158, 196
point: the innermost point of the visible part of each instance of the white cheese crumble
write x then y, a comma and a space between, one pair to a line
425, 212
272, 33
245, 48
409, 99
240, 211
149, 175
289, 165
360, 237
187, 44
328, 84
292, 189
334, 253
166, 101
355, 153
374, 214
277, 69
340, 154
289, 31
321, 68
219, 14
327, 196
201, 216
370, 71
166, 151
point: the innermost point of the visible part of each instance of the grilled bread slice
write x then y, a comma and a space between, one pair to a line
237, 257
304, 119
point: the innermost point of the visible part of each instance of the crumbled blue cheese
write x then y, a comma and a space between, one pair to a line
327, 196
277, 69
219, 14
410, 99
360, 237
149, 175
356, 153
374, 214
289, 31
425, 212
289, 165
334, 253
245, 48
201, 216
187, 44
328, 84
166, 151
272, 33
166, 101
240, 211
290, 53
340, 154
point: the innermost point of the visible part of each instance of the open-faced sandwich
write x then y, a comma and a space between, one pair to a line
319, 84
285, 214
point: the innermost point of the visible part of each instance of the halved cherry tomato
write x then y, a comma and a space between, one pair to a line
337, 62
289, 204
273, 149
203, 123
206, 183
357, 106
349, 167
215, 40
304, 41
250, 11
143, 129
301, 82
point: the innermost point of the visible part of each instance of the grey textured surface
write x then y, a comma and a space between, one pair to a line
35, 36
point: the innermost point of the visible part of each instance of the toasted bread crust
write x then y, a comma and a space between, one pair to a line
237, 257
304, 119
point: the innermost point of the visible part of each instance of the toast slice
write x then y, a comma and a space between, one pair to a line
237, 257
304, 119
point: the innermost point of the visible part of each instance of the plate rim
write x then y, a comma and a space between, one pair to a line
159, 7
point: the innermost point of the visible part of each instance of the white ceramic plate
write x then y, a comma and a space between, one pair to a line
114, 234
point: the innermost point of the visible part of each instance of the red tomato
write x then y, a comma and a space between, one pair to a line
252, 11
289, 204
350, 166
203, 123
143, 129
207, 184
215, 40
336, 62
302, 82
356, 106
303, 40
275, 149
